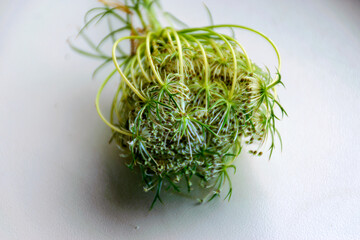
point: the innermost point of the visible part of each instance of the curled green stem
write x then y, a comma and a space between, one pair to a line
138, 56
149, 57
119, 69
255, 31
122, 131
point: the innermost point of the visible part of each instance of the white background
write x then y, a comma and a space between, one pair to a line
59, 179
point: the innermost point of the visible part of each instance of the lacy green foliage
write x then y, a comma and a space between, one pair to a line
188, 101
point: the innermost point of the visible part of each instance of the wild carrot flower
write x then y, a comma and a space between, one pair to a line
188, 100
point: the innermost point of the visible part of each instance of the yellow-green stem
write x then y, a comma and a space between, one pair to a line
119, 69
181, 62
97, 100
148, 54
138, 56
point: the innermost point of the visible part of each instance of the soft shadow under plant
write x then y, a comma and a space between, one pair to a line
188, 99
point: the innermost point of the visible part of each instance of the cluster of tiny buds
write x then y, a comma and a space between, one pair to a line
169, 142
254, 152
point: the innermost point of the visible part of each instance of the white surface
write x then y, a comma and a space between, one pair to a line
59, 178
